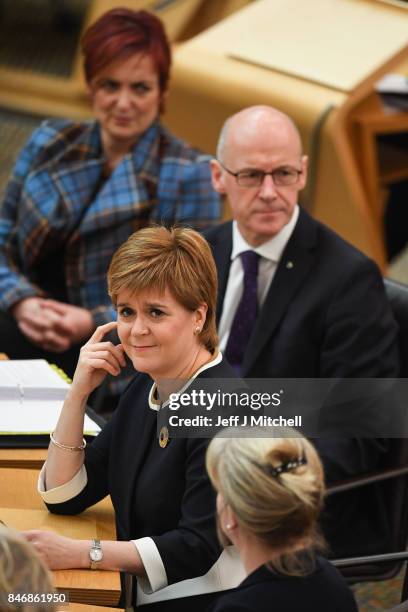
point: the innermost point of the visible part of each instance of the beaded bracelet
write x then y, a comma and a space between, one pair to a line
71, 449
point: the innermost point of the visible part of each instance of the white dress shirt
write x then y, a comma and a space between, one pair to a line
270, 253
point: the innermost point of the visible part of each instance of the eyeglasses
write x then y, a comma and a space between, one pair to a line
282, 177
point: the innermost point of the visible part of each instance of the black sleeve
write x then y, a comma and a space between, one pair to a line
361, 334
192, 547
96, 465
360, 342
230, 607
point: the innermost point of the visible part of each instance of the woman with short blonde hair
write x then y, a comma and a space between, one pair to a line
270, 495
163, 284
156, 258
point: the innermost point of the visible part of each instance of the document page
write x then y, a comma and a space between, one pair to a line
30, 378
35, 417
31, 397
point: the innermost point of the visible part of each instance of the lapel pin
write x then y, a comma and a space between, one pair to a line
289, 265
163, 437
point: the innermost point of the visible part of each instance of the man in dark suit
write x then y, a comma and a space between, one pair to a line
322, 311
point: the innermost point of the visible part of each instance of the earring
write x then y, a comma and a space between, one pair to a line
228, 526
197, 331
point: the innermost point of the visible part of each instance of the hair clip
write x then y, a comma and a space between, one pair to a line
287, 467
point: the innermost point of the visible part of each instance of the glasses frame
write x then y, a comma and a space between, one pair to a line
236, 175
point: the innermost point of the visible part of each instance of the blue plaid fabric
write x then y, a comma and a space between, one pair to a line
57, 196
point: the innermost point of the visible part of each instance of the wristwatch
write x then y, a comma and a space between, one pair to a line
96, 554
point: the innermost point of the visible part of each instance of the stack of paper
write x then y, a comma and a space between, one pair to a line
31, 398
393, 89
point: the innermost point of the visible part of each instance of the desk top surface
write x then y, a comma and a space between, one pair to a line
23, 509
288, 36
85, 586
31, 458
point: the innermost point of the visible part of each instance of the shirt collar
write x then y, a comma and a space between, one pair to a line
154, 403
273, 248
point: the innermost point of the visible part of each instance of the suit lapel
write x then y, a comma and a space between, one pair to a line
295, 264
129, 192
77, 172
222, 249
124, 197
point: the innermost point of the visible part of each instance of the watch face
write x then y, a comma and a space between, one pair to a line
96, 554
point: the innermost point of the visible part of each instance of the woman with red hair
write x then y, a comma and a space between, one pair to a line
80, 189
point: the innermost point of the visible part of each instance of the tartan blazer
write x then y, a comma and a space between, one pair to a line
58, 197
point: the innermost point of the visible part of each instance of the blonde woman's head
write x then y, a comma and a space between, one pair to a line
274, 488
22, 572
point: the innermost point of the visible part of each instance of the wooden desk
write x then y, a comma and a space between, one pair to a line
322, 60
26, 458
380, 165
22, 508
100, 588
31, 458
18, 489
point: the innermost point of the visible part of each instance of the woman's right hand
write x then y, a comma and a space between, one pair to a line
97, 359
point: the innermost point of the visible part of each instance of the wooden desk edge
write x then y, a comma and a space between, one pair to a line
28, 458
105, 587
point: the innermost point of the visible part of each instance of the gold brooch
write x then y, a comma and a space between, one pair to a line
163, 437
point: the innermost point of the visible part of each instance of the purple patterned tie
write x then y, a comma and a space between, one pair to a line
245, 316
